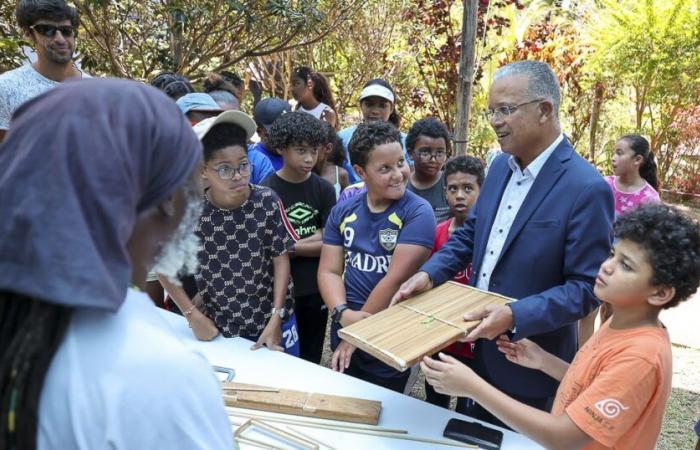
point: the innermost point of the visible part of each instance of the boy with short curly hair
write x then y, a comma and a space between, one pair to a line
615, 391
308, 200
373, 242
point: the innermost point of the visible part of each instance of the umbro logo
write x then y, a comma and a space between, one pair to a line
301, 212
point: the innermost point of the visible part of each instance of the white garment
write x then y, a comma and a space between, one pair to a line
19, 85
337, 186
513, 197
124, 381
317, 111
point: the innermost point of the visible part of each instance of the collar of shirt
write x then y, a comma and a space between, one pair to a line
536, 165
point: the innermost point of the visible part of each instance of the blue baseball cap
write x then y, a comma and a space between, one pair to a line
197, 102
269, 109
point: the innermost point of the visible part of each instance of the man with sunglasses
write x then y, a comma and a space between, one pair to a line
51, 26
538, 233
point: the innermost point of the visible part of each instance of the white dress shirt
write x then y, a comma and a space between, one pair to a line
516, 190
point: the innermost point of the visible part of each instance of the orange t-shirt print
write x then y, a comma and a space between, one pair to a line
617, 387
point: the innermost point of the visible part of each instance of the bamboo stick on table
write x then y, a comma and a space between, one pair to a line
306, 420
249, 389
254, 443
294, 430
304, 442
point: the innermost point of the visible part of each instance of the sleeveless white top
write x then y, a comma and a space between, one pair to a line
317, 111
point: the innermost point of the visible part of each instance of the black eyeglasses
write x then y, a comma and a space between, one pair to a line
49, 31
506, 110
427, 156
227, 172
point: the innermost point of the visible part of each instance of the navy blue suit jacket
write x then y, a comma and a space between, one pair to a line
559, 238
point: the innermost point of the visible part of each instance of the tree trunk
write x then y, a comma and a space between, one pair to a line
466, 76
598, 91
175, 33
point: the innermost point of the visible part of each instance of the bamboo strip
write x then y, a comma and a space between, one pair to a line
254, 443
245, 389
294, 430
304, 442
298, 420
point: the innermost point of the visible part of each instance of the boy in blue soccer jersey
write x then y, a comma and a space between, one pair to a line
371, 244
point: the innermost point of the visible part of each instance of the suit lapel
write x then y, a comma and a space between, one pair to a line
552, 170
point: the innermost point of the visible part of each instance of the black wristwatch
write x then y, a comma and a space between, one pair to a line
338, 312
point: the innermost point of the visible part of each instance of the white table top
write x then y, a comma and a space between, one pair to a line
279, 370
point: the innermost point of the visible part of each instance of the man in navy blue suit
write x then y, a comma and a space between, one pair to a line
538, 233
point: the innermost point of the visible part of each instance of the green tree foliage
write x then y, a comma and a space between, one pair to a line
139, 38
10, 38
650, 48
192, 37
624, 65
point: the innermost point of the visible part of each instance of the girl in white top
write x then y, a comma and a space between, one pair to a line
313, 94
330, 161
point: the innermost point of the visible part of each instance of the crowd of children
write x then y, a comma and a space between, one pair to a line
348, 247
302, 230
350, 215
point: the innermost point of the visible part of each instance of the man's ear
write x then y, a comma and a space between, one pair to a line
29, 35
547, 110
660, 295
167, 207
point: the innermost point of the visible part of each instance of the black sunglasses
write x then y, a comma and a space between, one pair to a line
50, 30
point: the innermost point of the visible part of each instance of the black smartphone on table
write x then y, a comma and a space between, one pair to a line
473, 433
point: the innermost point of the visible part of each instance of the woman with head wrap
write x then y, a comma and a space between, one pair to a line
98, 185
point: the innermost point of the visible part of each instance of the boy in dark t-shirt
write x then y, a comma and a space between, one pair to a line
428, 143
373, 242
308, 200
243, 282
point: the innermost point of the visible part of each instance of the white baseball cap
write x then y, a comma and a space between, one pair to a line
377, 90
239, 118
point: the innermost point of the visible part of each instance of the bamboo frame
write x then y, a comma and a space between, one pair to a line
278, 433
402, 335
369, 432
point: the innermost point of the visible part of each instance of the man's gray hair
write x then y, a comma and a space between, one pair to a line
543, 83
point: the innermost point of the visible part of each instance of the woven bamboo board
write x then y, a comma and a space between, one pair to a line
300, 403
402, 335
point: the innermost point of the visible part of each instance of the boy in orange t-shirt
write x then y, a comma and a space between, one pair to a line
614, 393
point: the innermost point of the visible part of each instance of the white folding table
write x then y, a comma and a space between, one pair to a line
279, 370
